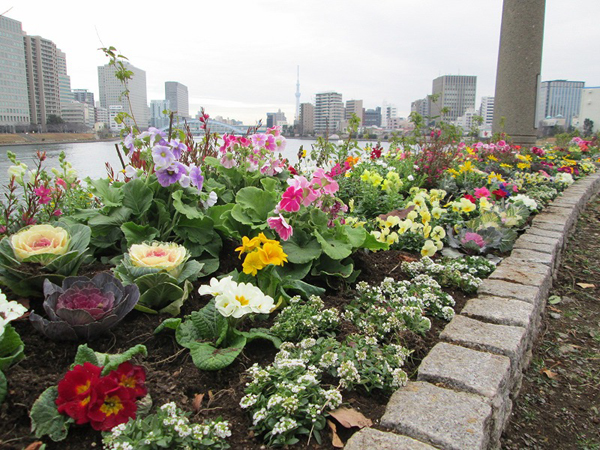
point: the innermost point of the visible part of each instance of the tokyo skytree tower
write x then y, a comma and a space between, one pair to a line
298, 96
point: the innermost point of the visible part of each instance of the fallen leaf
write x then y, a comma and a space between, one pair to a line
586, 285
34, 445
554, 299
197, 402
552, 308
549, 373
349, 417
177, 372
399, 213
335, 439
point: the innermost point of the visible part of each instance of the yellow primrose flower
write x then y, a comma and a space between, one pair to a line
456, 206
466, 205
437, 194
272, 253
385, 231
419, 201
523, 166
429, 248
252, 263
248, 245
506, 166
438, 233
265, 240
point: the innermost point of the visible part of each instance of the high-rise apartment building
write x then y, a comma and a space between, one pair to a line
158, 118
354, 107
177, 96
307, 118
372, 117
84, 96
64, 80
456, 93
111, 90
329, 112
14, 102
421, 107
559, 99
43, 83
388, 112
486, 110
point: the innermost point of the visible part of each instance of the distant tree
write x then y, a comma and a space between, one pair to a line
588, 127
53, 119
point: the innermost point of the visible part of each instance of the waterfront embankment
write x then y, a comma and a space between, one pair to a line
47, 138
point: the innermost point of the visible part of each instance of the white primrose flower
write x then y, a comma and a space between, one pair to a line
9, 311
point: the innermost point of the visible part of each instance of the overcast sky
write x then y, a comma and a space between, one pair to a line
238, 58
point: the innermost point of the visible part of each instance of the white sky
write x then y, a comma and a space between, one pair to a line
239, 57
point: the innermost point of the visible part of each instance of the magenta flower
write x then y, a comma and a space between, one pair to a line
291, 200
283, 229
171, 174
275, 131
43, 193
482, 192
325, 182
244, 141
270, 143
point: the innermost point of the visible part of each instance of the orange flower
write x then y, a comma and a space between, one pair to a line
272, 253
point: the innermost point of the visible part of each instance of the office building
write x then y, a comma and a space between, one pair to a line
111, 90
84, 96
456, 93
177, 96
486, 110
307, 119
158, 118
14, 102
372, 117
113, 112
421, 107
589, 109
387, 112
354, 107
78, 113
329, 112
43, 83
559, 99
64, 80
101, 114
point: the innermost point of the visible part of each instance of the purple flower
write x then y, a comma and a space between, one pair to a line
162, 156
128, 142
196, 177
171, 174
153, 132
177, 147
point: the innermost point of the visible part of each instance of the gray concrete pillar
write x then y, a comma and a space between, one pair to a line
519, 67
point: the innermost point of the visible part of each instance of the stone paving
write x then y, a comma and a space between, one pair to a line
462, 397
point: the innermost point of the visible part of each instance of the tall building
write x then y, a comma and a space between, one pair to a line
486, 110
559, 99
78, 113
307, 118
84, 96
158, 118
14, 102
64, 80
454, 92
354, 107
43, 83
421, 107
590, 108
111, 91
297, 118
372, 117
388, 112
329, 112
177, 96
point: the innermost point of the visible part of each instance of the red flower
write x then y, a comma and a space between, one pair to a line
111, 405
292, 170
131, 377
499, 193
470, 198
75, 391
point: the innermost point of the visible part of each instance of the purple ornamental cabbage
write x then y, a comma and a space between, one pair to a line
84, 308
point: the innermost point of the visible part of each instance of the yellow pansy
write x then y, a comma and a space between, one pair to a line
429, 248
426, 231
438, 233
412, 215
425, 216
437, 212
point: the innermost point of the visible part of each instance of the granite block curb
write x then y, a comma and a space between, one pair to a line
462, 399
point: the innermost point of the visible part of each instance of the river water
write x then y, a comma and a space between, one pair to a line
90, 158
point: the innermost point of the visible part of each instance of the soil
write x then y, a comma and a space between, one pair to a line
171, 375
558, 406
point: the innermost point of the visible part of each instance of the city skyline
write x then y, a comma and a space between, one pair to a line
234, 68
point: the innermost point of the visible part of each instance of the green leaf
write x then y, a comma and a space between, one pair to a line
137, 197
3, 387
208, 357
174, 308
318, 218
11, 348
103, 224
257, 204
110, 195
85, 354
45, 418
335, 249
261, 333
303, 288
159, 297
190, 211
136, 234
212, 161
151, 280
294, 271
371, 243
190, 271
198, 231
554, 299
171, 324
270, 184
333, 267
301, 248
356, 236
115, 360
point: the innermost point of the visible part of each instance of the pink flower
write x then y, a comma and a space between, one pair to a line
227, 160
244, 141
42, 192
309, 195
482, 192
270, 143
258, 140
62, 183
325, 182
291, 199
474, 237
275, 131
283, 229
57, 212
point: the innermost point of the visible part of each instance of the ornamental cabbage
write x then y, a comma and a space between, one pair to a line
84, 308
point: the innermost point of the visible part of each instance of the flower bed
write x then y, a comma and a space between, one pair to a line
214, 295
